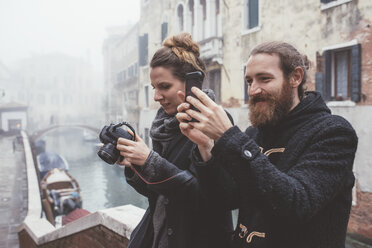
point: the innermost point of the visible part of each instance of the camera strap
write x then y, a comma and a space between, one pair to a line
150, 183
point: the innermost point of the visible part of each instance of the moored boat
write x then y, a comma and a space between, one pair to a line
61, 194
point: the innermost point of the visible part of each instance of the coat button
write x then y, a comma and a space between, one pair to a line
170, 231
247, 154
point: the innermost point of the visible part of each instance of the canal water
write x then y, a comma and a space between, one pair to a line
102, 185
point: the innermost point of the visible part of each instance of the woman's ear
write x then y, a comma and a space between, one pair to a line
296, 77
181, 95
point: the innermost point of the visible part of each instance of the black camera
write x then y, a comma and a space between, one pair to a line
109, 136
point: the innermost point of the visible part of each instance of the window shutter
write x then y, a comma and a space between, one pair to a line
253, 13
140, 50
319, 83
246, 95
355, 73
164, 31
327, 87
143, 49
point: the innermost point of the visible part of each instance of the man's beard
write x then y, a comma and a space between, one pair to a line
275, 107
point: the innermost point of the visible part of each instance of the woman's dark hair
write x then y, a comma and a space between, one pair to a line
290, 59
180, 54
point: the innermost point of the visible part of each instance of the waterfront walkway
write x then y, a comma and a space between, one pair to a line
13, 191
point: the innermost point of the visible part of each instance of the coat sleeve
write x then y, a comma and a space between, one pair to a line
163, 177
135, 181
321, 171
216, 184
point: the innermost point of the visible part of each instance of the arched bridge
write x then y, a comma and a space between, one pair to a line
39, 133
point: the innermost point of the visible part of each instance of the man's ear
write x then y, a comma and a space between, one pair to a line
296, 77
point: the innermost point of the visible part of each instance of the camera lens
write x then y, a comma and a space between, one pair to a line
108, 153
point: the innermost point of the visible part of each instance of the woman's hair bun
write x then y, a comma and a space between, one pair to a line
183, 43
185, 49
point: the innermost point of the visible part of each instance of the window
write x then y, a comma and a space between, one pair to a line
164, 31
15, 124
130, 71
55, 99
67, 99
250, 14
146, 96
338, 76
204, 8
190, 17
213, 82
204, 26
191, 9
246, 95
180, 17
326, 4
143, 49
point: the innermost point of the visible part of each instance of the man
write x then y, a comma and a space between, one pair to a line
290, 173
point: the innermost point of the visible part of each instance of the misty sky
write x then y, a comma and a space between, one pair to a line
74, 27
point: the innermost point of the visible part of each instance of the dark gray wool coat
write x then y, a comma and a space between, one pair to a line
191, 221
292, 182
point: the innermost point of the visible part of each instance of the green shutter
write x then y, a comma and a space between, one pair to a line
327, 86
356, 73
319, 83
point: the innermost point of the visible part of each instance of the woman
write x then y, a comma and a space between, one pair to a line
178, 215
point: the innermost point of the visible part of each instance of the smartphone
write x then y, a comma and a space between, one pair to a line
193, 79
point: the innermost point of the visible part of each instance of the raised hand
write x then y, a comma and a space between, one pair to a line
213, 120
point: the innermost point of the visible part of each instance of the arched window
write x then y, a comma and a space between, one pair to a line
191, 9
180, 17
204, 7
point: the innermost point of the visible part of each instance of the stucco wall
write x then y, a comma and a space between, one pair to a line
5, 116
302, 23
360, 117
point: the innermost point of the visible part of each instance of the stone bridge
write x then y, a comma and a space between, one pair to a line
39, 133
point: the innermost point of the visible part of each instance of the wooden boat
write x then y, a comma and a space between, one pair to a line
61, 194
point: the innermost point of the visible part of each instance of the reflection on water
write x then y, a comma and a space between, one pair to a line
102, 185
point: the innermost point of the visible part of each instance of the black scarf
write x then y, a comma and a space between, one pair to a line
165, 128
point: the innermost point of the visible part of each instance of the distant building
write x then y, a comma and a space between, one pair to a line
59, 89
13, 117
121, 79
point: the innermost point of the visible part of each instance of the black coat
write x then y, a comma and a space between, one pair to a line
191, 222
292, 182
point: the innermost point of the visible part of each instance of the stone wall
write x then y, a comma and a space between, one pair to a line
98, 237
360, 223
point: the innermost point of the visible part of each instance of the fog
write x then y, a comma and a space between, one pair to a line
51, 57
74, 27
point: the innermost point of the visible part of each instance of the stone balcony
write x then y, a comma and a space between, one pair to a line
211, 49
